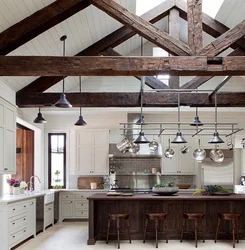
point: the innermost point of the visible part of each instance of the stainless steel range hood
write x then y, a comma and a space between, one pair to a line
144, 152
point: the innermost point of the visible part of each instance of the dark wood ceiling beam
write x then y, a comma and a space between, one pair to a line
122, 99
142, 27
37, 23
150, 81
112, 40
224, 41
121, 66
194, 18
210, 25
197, 81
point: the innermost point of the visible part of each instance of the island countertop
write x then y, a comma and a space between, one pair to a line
137, 205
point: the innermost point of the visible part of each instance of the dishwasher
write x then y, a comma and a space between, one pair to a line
39, 214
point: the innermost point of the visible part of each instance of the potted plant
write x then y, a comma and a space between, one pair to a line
11, 182
16, 187
165, 189
23, 186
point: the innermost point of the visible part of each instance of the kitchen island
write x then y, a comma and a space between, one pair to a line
100, 205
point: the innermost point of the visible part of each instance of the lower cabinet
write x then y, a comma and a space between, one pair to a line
48, 215
17, 222
74, 205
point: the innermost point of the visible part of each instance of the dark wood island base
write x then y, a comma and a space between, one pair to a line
100, 205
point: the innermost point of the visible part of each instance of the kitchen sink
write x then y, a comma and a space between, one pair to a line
49, 197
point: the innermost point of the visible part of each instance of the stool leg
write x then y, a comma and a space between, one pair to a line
146, 223
156, 227
196, 231
166, 229
108, 230
203, 231
237, 229
128, 226
233, 232
217, 231
118, 233
182, 230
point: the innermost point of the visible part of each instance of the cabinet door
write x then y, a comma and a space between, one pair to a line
66, 209
171, 165
31, 217
187, 162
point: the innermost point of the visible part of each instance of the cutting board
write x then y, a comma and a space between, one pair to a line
84, 182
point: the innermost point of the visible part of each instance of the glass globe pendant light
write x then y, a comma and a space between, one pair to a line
199, 154
80, 121
63, 102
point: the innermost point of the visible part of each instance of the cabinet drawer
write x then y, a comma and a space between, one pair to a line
17, 209
17, 222
80, 213
81, 196
81, 204
18, 236
66, 196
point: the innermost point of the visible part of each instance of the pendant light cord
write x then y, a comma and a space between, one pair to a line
179, 112
64, 49
141, 85
215, 103
80, 90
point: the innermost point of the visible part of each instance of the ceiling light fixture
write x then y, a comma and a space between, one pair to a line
196, 121
39, 118
63, 102
80, 121
179, 138
216, 138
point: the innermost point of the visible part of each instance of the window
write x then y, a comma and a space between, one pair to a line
56, 160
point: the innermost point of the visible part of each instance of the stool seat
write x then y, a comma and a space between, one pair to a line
117, 217
194, 216
156, 217
234, 218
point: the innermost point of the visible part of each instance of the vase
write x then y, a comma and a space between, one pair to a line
10, 189
22, 190
16, 190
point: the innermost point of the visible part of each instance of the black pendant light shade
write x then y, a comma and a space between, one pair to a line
141, 139
141, 121
63, 102
216, 139
80, 121
39, 118
196, 121
179, 138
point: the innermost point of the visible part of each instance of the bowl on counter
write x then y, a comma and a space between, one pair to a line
165, 190
183, 186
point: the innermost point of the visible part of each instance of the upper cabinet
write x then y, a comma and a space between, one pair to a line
7, 138
92, 152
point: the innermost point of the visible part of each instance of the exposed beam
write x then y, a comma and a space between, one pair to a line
174, 29
110, 41
122, 99
121, 66
210, 25
142, 27
200, 80
224, 41
194, 18
225, 80
37, 23
150, 81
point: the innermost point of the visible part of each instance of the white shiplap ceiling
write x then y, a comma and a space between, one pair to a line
83, 29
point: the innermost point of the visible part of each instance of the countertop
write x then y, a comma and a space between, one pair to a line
9, 198
178, 196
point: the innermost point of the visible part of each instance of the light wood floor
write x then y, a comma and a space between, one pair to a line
73, 236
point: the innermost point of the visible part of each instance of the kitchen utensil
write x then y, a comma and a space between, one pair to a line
134, 148
184, 150
169, 152
229, 143
123, 145
153, 145
199, 154
216, 155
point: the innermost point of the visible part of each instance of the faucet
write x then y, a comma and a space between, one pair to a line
31, 183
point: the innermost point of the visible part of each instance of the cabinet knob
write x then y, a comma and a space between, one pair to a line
13, 236
25, 206
13, 209
71, 201
5, 168
13, 223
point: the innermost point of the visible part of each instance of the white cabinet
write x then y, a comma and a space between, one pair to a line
179, 164
18, 222
92, 152
74, 205
48, 214
7, 138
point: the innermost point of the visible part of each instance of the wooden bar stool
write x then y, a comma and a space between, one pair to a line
156, 217
195, 217
234, 218
117, 218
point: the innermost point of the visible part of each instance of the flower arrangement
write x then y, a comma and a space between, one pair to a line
13, 182
23, 185
213, 189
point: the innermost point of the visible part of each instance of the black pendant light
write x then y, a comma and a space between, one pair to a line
196, 121
63, 102
216, 138
80, 121
141, 138
179, 138
39, 118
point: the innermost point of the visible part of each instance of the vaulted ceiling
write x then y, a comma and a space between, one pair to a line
34, 28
